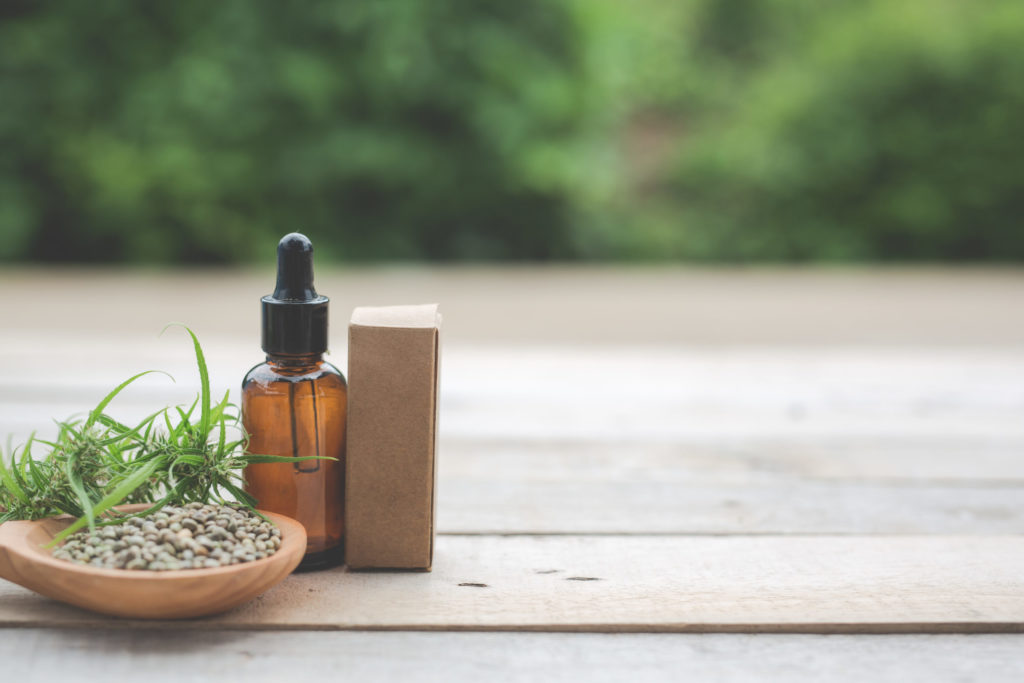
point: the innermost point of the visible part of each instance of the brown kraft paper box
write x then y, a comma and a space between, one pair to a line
393, 357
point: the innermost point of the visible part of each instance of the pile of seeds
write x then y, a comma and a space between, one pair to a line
195, 536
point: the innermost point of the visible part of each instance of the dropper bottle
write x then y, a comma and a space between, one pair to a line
294, 405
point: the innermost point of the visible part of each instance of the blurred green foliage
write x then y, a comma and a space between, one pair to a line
199, 131
886, 129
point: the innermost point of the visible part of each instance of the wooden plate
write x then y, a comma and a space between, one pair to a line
141, 594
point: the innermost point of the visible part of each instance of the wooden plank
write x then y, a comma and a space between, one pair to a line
151, 656
819, 584
496, 488
668, 304
934, 376
727, 441
657, 395
794, 507
920, 460
726, 459
629, 488
614, 488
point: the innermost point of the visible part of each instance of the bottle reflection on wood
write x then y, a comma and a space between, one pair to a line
294, 404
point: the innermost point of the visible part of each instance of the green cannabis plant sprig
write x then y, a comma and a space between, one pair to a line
172, 456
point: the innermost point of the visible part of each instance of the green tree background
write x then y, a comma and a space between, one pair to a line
716, 130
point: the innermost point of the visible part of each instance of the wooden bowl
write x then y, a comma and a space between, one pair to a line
141, 594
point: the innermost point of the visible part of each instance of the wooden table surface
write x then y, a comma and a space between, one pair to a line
644, 474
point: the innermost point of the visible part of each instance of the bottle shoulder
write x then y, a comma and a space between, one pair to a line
267, 373
330, 368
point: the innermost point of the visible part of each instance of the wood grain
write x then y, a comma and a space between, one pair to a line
966, 486
820, 422
823, 584
920, 460
649, 396
779, 507
754, 441
253, 657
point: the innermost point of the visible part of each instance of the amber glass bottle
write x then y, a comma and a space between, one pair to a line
294, 405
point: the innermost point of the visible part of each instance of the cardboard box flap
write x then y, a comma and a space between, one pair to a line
411, 317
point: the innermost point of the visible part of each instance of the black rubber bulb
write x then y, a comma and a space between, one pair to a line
295, 269
294, 316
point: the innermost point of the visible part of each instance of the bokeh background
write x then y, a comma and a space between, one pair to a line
710, 130
708, 268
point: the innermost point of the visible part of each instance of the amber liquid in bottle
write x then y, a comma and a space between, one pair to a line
295, 406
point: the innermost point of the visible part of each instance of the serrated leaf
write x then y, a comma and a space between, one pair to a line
98, 410
242, 496
123, 489
75, 482
204, 383
36, 473
10, 483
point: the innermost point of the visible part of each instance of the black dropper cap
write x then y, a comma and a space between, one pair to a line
294, 316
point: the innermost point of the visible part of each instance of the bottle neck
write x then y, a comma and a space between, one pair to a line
296, 361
